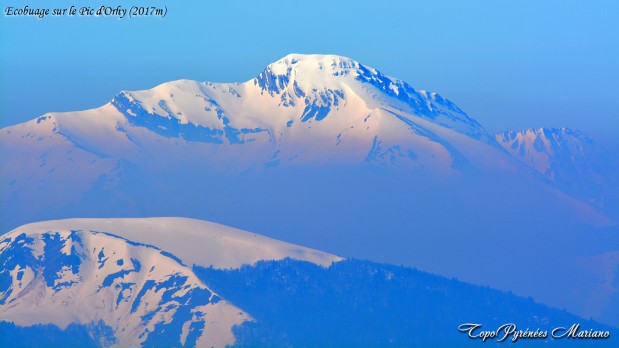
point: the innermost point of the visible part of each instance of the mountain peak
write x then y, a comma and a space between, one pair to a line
329, 63
306, 72
327, 80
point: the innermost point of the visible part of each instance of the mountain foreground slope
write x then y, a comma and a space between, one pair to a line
96, 283
132, 277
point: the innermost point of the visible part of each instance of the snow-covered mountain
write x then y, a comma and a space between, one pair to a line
303, 110
176, 282
133, 277
322, 151
295, 110
570, 160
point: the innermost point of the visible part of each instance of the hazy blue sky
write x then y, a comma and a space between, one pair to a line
509, 64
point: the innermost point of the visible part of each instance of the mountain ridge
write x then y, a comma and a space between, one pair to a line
133, 276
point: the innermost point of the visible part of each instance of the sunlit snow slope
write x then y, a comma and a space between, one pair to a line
133, 277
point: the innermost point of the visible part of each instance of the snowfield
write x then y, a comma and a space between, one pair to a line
133, 275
